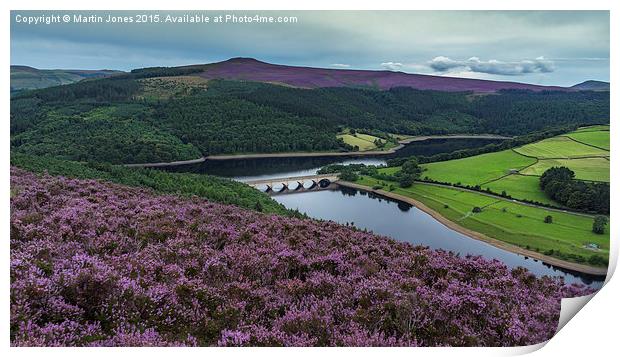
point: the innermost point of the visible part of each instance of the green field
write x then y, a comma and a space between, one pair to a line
477, 170
592, 169
511, 222
593, 128
599, 139
364, 142
520, 186
495, 171
560, 147
400, 137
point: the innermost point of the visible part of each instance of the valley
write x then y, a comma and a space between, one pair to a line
492, 195
172, 117
308, 178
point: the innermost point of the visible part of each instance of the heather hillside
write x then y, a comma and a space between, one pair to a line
106, 265
213, 188
250, 69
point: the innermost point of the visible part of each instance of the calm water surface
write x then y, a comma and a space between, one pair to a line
255, 169
405, 222
383, 216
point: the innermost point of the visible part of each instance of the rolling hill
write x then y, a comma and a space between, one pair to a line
592, 85
24, 77
250, 69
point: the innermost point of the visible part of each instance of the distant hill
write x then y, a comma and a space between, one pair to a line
24, 77
250, 69
592, 85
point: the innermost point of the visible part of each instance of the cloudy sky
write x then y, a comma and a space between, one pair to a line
552, 48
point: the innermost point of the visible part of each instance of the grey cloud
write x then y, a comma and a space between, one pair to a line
361, 39
392, 66
474, 64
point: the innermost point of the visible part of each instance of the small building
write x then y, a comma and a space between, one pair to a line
513, 171
592, 246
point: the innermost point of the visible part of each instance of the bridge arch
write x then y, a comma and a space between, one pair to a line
323, 183
294, 184
277, 188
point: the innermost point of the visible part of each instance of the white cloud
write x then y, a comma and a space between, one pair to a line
392, 66
474, 64
341, 65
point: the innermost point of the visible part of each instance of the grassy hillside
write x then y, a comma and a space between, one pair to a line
363, 144
591, 169
520, 187
517, 171
561, 147
366, 142
515, 175
599, 139
512, 222
477, 170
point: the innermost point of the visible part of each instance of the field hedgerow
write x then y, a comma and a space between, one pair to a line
95, 264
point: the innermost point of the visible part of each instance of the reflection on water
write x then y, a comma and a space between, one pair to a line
405, 222
256, 169
384, 216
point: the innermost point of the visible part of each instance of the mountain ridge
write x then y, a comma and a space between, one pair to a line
26, 77
250, 69
254, 70
592, 85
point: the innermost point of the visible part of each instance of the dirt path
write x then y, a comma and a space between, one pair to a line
479, 236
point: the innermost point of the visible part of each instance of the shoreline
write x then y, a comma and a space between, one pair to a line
455, 136
165, 164
393, 150
585, 269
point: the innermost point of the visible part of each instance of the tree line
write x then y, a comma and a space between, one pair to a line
246, 117
560, 185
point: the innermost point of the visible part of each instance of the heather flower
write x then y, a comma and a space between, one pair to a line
97, 264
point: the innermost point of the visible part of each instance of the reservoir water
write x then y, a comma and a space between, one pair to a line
255, 169
383, 216
405, 222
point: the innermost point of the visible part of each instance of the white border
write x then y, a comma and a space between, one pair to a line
592, 331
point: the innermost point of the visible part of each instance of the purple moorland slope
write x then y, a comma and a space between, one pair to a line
96, 264
250, 69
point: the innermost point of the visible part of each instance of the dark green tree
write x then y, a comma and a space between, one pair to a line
348, 175
598, 226
405, 181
